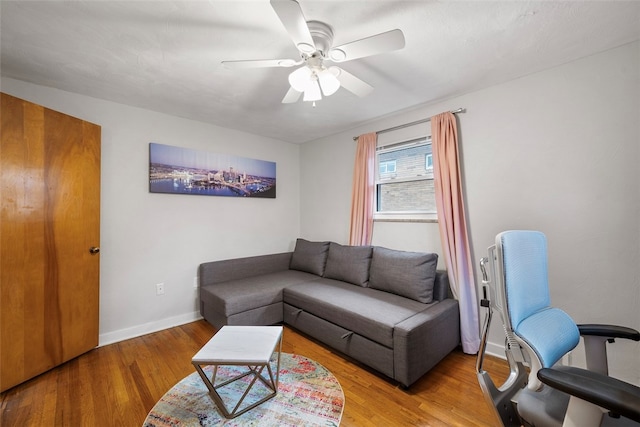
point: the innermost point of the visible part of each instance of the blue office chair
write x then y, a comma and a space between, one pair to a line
538, 392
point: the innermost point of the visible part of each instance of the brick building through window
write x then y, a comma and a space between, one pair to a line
404, 178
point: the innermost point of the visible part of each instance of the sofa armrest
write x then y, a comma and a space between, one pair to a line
441, 287
424, 339
210, 273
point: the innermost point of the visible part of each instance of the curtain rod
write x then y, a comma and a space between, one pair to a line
406, 125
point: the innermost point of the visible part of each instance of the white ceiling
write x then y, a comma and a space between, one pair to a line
165, 55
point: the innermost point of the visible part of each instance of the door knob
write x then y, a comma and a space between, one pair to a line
94, 250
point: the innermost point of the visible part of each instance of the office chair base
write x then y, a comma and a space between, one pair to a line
501, 399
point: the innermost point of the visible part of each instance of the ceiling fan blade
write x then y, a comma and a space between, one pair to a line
291, 96
260, 63
352, 83
290, 14
373, 45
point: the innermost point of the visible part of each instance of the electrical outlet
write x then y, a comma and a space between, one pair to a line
195, 283
160, 289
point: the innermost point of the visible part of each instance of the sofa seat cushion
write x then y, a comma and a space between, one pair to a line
236, 296
367, 312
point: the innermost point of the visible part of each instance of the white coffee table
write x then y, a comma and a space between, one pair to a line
250, 346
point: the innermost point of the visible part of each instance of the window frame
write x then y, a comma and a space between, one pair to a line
402, 216
387, 163
428, 160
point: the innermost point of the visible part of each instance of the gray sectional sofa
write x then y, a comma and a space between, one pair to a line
388, 309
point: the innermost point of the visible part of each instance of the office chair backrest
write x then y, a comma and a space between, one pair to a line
546, 333
526, 274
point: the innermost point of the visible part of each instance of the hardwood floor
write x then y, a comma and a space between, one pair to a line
117, 385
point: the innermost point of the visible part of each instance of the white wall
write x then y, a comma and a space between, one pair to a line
148, 238
556, 151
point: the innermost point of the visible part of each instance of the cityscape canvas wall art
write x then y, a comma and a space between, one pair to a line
184, 171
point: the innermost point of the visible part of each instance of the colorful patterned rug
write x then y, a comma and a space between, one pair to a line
308, 395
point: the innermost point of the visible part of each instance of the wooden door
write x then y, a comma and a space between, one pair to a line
49, 221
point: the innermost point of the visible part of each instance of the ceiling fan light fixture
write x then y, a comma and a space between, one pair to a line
312, 92
299, 79
329, 83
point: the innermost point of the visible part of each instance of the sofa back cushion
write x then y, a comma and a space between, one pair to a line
349, 263
309, 256
409, 274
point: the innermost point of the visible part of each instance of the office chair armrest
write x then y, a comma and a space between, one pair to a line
609, 331
610, 393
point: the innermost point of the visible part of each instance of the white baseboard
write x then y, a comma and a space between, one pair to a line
496, 350
147, 328
492, 349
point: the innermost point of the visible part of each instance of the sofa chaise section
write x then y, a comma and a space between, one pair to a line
247, 291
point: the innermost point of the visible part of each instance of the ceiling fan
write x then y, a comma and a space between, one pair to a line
314, 39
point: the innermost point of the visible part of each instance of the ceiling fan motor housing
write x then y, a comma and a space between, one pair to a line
322, 35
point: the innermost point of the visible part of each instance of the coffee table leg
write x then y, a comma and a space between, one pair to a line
257, 374
278, 367
212, 390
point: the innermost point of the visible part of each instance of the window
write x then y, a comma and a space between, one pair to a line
387, 168
404, 181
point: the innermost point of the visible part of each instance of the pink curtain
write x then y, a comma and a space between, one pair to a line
453, 226
363, 191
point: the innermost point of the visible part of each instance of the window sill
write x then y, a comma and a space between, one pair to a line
423, 218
